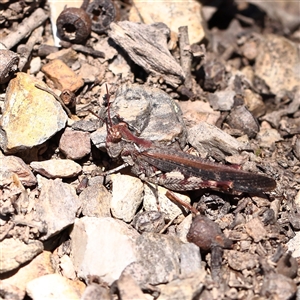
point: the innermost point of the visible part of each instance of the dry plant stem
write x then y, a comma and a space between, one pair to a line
87, 50
167, 225
56, 97
25, 50
185, 55
25, 28
176, 199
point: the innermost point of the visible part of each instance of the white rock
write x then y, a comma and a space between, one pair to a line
169, 208
294, 245
52, 287
126, 196
67, 267
56, 168
102, 247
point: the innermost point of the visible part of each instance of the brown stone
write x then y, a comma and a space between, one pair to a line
75, 144
62, 76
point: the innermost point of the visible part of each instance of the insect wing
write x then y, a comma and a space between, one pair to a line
169, 160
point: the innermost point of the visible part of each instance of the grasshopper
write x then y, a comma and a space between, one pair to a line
173, 169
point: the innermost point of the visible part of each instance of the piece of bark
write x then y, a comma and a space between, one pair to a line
28, 25
147, 46
185, 55
25, 49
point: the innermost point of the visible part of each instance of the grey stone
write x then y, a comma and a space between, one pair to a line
57, 205
102, 247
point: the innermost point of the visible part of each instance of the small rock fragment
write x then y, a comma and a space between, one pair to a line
129, 289
190, 260
222, 100
17, 165
56, 168
52, 286
31, 116
162, 258
254, 103
148, 221
208, 139
242, 260
183, 228
102, 247
154, 196
277, 63
95, 201
88, 72
13, 197
182, 289
68, 56
153, 113
67, 268
14, 253
35, 65
294, 245
9, 65
240, 118
62, 76
75, 144
11, 292
126, 196
267, 137
278, 286
174, 15
256, 230
96, 291
87, 125
57, 205
197, 111
39, 266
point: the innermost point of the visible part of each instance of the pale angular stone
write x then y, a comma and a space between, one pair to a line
95, 201
126, 196
39, 266
184, 289
17, 165
129, 289
278, 63
163, 258
153, 197
256, 229
56, 168
102, 247
67, 267
208, 139
173, 13
15, 253
294, 245
57, 205
52, 286
31, 116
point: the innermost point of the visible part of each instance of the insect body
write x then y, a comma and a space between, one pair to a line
177, 170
